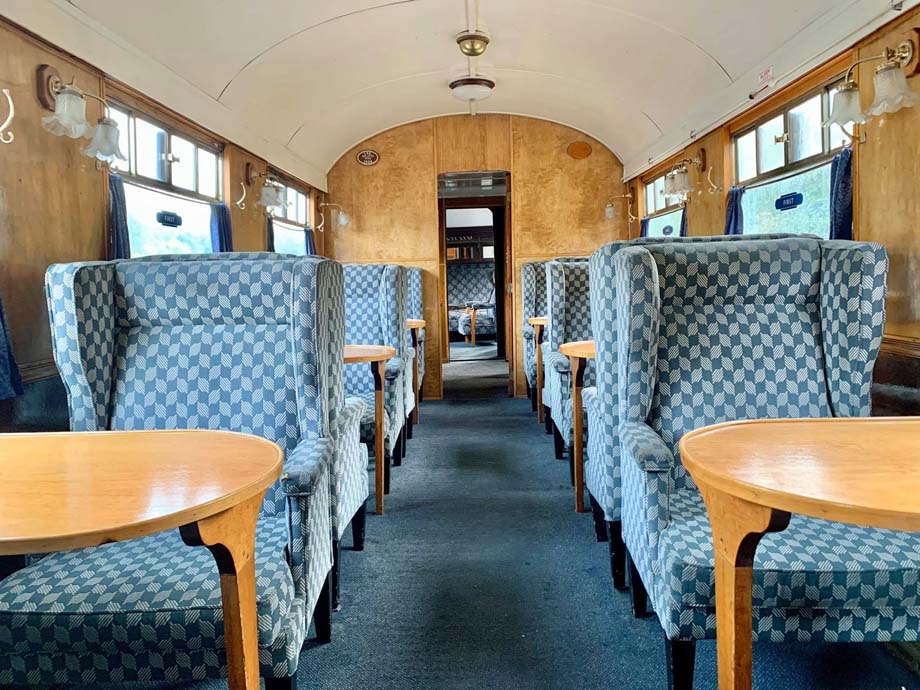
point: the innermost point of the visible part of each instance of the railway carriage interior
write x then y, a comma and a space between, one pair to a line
459, 344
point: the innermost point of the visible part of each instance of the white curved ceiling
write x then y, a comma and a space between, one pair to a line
301, 81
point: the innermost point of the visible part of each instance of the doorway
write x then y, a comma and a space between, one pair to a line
473, 212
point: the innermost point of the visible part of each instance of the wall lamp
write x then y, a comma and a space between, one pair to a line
249, 177
68, 102
341, 217
891, 89
272, 195
608, 209
677, 181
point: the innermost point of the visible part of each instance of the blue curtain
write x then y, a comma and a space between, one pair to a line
311, 244
119, 239
842, 196
643, 227
734, 216
221, 232
683, 221
10, 380
270, 232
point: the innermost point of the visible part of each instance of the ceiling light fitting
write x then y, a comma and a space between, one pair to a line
892, 91
471, 88
472, 43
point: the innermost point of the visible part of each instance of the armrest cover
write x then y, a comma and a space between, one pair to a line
394, 368
645, 447
558, 362
480, 305
528, 332
304, 465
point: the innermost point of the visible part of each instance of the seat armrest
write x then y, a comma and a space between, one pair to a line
528, 332
558, 362
480, 305
394, 368
305, 464
645, 447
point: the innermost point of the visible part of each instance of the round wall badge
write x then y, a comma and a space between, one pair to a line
368, 157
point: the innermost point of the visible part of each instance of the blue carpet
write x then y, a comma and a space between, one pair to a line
482, 576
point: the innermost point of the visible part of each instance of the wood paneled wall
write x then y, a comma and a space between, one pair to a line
557, 202
886, 194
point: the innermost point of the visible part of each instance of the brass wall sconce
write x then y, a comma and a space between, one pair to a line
6, 136
608, 209
341, 218
249, 177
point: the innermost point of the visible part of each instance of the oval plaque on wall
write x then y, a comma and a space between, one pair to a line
368, 157
579, 150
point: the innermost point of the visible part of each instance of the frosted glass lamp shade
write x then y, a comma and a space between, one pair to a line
472, 88
271, 196
891, 90
343, 219
69, 119
846, 110
104, 144
681, 184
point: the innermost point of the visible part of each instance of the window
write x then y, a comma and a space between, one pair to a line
784, 163
170, 182
665, 225
291, 222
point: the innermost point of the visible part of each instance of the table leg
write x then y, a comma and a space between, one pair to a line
538, 339
378, 369
473, 326
737, 527
415, 381
231, 537
578, 381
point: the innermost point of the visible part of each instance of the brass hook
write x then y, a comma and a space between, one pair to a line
7, 136
239, 203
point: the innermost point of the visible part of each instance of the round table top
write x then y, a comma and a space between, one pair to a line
857, 470
355, 354
415, 323
580, 348
538, 320
71, 490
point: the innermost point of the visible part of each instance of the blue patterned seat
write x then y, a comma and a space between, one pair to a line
416, 310
375, 314
188, 344
569, 320
471, 285
744, 330
533, 303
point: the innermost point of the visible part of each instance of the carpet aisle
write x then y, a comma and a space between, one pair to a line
482, 576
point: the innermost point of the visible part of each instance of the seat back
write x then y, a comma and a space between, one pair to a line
414, 297
533, 291
470, 282
720, 331
375, 314
248, 345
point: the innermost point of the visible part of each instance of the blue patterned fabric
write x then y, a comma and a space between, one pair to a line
485, 323
569, 320
375, 314
761, 318
533, 303
415, 309
243, 344
470, 282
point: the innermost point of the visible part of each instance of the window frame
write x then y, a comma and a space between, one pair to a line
800, 166
667, 208
287, 186
131, 175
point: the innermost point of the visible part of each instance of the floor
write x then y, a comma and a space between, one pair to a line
475, 380
482, 576
465, 352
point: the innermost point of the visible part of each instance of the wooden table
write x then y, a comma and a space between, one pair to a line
377, 356
415, 325
753, 475
72, 490
579, 353
539, 323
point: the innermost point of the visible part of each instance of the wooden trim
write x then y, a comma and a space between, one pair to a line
820, 75
897, 345
728, 166
38, 370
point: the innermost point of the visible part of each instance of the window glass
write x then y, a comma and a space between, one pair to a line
149, 236
746, 153
207, 173
488, 252
150, 150
183, 163
659, 193
812, 216
665, 225
806, 136
289, 239
301, 208
124, 139
649, 198
771, 154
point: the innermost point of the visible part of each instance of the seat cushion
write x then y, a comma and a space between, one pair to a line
485, 323
813, 564
142, 594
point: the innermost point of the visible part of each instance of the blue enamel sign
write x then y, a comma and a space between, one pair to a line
667, 230
169, 219
789, 201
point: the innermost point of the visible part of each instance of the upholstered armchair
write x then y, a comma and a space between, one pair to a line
742, 330
533, 303
569, 320
416, 311
244, 345
471, 298
375, 314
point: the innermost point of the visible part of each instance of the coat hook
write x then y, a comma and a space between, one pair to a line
239, 203
5, 135
713, 187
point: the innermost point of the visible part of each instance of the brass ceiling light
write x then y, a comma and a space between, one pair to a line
472, 43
